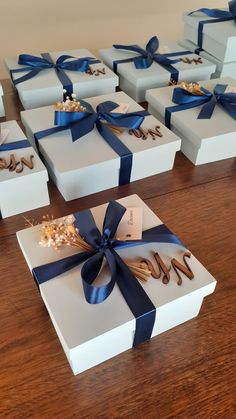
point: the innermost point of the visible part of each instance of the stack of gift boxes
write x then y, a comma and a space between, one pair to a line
91, 138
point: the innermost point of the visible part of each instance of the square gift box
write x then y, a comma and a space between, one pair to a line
90, 164
23, 191
222, 69
203, 140
135, 82
93, 333
45, 87
2, 110
218, 38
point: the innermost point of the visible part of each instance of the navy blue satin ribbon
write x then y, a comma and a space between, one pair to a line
198, 51
149, 55
81, 123
15, 145
217, 15
34, 65
104, 246
187, 100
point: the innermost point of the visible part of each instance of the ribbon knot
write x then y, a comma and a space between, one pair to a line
105, 241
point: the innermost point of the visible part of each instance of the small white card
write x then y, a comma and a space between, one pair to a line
230, 89
130, 227
3, 135
122, 108
164, 49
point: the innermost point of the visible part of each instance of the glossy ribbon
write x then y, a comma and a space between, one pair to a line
217, 15
81, 123
15, 145
104, 246
187, 100
35, 65
149, 55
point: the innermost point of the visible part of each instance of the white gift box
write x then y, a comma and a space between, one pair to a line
2, 110
203, 140
93, 333
89, 164
45, 88
222, 69
23, 191
135, 82
219, 39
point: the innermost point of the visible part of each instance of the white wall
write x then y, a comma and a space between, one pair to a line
33, 26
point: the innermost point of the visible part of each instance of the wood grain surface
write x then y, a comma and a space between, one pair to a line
187, 372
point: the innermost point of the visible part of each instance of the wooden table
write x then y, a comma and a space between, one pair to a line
187, 372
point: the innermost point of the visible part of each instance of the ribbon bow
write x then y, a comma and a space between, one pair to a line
218, 15
81, 123
104, 246
37, 64
188, 100
148, 55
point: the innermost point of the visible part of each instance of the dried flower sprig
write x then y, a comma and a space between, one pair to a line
193, 88
60, 233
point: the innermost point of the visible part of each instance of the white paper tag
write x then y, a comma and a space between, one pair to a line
230, 89
130, 227
164, 49
3, 135
122, 108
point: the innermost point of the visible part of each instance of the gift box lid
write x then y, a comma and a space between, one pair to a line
140, 77
15, 133
222, 33
186, 122
77, 321
91, 149
48, 80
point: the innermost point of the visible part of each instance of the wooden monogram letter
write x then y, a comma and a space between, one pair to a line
185, 269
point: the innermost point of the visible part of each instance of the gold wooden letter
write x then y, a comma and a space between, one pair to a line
162, 268
185, 269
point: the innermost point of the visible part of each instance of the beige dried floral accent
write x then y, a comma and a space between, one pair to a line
193, 88
70, 105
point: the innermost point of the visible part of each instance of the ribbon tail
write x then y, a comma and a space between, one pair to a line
207, 109
26, 77
138, 301
48, 271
